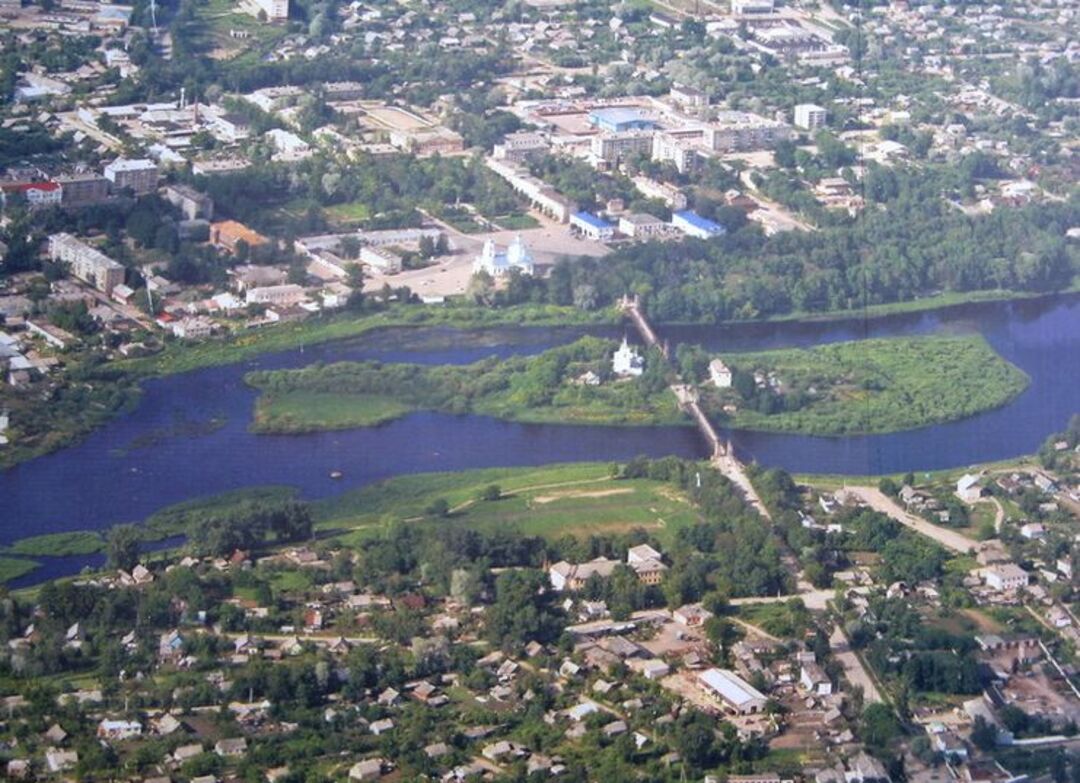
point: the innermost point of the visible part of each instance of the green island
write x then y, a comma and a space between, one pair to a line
77, 542
864, 386
552, 387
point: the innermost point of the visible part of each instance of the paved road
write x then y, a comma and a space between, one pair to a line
854, 671
813, 599
949, 539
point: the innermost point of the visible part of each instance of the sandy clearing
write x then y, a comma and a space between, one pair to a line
600, 493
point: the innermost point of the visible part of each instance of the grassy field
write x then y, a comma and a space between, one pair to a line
347, 214
538, 389
554, 500
881, 385
78, 542
302, 411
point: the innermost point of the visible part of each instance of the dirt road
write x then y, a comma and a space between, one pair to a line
949, 539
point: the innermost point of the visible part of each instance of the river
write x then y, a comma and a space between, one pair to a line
165, 452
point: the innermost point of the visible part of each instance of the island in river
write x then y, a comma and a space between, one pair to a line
865, 386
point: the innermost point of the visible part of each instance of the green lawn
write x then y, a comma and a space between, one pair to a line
348, 214
302, 411
874, 386
575, 499
517, 222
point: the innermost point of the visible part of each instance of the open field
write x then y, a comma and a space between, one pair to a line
555, 500
873, 386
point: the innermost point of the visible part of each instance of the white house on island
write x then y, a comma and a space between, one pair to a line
720, 374
627, 362
499, 262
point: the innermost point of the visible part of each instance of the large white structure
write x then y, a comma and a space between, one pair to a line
627, 362
810, 116
280, 295
498, 263
738, 695
86, 263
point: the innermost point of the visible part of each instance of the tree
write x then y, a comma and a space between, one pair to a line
490, 492
439, 507
878, 727
122, 547
523, 610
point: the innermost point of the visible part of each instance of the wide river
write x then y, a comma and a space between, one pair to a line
163, 452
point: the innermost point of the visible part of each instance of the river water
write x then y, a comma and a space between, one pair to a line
165, 452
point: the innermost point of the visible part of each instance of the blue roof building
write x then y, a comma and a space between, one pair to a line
620, 120
592, 226
694, 225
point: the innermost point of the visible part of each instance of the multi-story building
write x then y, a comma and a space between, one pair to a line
736, 131
37, 194
139, 175
688, 97
613, 147
677, 150
273, 10
192, 203
641, 226
85, 262
810, 116
518, 147
83, 189
542, 196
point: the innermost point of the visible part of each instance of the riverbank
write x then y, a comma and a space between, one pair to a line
180, 357
864, 387
570, 384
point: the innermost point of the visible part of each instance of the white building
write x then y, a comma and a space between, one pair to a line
195, 328
85, 262
273, 10
627, 362
591, 226
1005, 577
498, 263
810, 116
516, 147
738, 695
968, 489
282, 295
641, 225
139, 175
720, 374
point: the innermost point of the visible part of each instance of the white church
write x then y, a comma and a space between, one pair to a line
627, 362
499, 262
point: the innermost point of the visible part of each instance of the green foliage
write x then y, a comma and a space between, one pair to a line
879, 385
79, 542
537, 388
